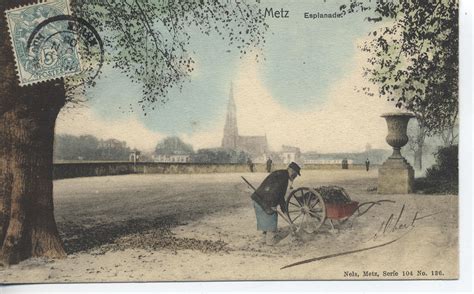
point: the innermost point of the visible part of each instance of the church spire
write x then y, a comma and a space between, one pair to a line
231, 105
231, 132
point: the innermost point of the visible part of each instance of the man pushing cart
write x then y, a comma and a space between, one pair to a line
305, 209
268, 196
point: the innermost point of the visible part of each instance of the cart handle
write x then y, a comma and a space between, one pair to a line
371, 203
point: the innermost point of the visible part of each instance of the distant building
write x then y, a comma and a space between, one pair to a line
321, 158
173, 149
290, 154
330, 161
310, 157
134, 155
172, 158
256, 146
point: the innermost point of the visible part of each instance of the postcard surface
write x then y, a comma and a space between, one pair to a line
170, 140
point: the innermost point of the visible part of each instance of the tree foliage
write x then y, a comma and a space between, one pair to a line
446, 167
88, 147
173, 145
220, 155
443, 177
149, 40
413, 57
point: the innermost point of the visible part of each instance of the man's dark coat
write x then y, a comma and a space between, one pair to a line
272, 191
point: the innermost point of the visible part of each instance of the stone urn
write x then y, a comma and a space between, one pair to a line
397, 124
396, 175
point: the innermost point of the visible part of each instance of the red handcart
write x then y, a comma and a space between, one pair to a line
309, 208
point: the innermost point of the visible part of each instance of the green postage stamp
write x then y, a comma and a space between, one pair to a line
42, 51
151, 141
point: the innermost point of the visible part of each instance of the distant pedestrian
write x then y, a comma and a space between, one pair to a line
367, 164
269, 164
345, 164
250, 164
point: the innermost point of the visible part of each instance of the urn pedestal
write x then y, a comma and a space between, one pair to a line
396, 175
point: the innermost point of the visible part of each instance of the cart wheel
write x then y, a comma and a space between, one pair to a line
306, 209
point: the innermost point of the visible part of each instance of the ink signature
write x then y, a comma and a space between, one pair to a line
390, 225
387, 227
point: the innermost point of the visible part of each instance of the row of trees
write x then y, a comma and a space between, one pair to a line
219, 155
88, 147
176, 146
173, 145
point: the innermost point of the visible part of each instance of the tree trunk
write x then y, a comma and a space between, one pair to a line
31, 227
448, 136
418, 157
418, 144
27, 120
5, 184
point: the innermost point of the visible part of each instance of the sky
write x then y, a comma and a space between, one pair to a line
304, 93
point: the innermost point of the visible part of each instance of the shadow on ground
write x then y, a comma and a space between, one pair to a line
144, 233
82, 237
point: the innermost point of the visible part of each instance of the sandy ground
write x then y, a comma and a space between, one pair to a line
202, 227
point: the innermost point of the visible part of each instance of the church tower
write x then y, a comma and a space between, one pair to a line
231, 133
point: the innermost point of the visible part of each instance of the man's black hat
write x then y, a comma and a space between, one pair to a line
295, 167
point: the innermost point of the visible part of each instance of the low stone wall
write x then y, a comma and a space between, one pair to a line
94, 169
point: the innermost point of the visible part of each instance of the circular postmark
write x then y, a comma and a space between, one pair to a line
69, 44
